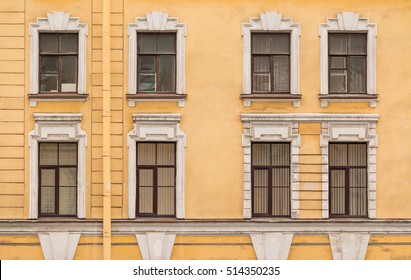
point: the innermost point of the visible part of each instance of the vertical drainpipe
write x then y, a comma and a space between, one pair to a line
106, 133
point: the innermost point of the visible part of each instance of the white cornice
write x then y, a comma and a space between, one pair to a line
314, 117
225, 227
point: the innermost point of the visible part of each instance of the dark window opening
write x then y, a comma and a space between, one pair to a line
348, 179
58, 179
270, 167
156, 179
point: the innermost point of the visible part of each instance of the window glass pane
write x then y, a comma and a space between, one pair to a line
47, 202
167, 73
145, 200
165, 201
68, 177
358, 192
49, 82
357, 154
280, 43
280, 177
49, 43
260, 200
281, 66
68, 154
261, 178
48, 177
147, 63
165, 177
280, 154
165, 154
145, 177
358, 177
261, 43
48, 153
146, 43
338, 43
338, 81
260, 154
166, 43
338, 62
281, 201
68, 43
146, 153
147, 82
338, 154
67, 201
68, 73
357, 44
357, 74
337, 191
261, 82
49, 64
261, 63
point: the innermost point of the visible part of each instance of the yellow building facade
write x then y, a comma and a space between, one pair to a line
204, 129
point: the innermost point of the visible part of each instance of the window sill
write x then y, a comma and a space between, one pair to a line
271, 97
56, 97
338, 97
156, 97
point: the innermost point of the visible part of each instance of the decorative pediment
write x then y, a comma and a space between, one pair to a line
156, 21
271, 21
58, 21
349, 21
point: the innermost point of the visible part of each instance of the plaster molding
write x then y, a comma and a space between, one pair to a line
360, 131
64, 127
349, 246
59, 245
156, 127
348, 22
270, 129
156, 22
156, 245
272, 246
272, 22
58, 22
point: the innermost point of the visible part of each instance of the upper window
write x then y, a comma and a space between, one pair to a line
347, 61
271, 173
270, 62
156, 179
271, 59
348, 179
58, 58
58, 179
58, 62
156, 60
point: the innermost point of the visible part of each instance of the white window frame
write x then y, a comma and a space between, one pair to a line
156, 22
51, 127
272, 22
348, 22
149, 128
354, 128
58, 22
260, 128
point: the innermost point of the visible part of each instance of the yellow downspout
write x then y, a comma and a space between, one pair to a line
106, 133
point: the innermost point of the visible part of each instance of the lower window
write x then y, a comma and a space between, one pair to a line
156, 179
58, 179
348, 179
270, 168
